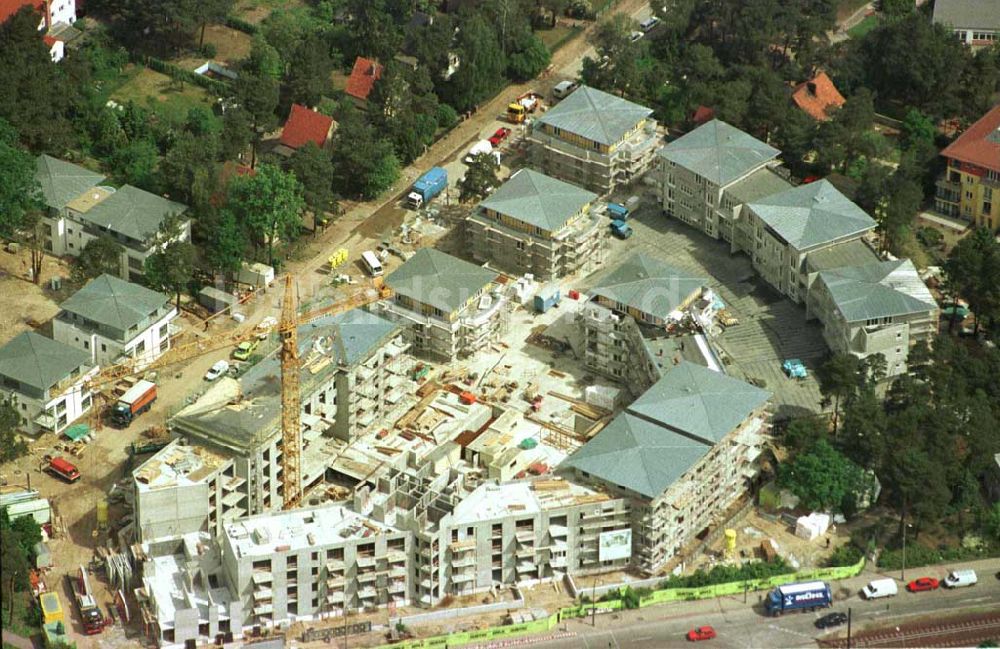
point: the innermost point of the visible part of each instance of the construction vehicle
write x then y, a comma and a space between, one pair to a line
520, 108
63, 468
90, 613
288, 329
137, 399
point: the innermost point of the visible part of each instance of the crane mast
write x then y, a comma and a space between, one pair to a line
291, 431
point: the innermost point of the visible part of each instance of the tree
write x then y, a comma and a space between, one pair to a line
309, 71
237, 132
100, 256
483, 64
135, 163
224, 250
972, 271
616, 71
190, 165
11, 444
862, 437
158, 26
917, 128
822, 477
768, 107
14, 566
172, 268
838, 380
20, 193
269, 205
480, 177
374, 31
893, 9
256, 91
211, 11
314, 169
529, 58
364, 164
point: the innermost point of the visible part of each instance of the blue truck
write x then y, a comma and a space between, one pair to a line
427, 187
801, 596
621, 229
618, 211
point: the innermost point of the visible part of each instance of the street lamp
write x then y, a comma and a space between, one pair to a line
902, 572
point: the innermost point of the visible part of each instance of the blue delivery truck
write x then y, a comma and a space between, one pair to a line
802, 596
427, 187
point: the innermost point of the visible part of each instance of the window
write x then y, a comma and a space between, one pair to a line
987, 208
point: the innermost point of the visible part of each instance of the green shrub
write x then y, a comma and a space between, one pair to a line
241, 25
208, 50
727, 574
845, 555
919, 555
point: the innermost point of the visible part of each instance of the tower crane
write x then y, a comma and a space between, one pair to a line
291, 433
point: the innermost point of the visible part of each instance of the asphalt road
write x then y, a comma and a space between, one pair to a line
745, 625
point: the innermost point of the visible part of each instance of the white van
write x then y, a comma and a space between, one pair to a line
879, 588
960, 578
562, 89
649, 23
372, 264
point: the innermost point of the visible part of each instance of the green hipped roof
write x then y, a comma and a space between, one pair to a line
887, 288
39, 362
440, 280
668, 429
811, 215
538, 200
113, 302
719, 152
357, 333
135, 213
595, 115
648, 284
62, 181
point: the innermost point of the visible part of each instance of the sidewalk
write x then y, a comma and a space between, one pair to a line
17, 641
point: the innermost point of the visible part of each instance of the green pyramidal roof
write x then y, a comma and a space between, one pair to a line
719, 152
62, 181
113, 302
595, 115
668, 429
884, 289
133, 212
440, 280
40, 362
538, 200
648, 284
811, 215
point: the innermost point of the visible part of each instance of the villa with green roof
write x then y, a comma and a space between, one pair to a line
879, 308
81, 209
45, 380
453, 308
682, 454
539, 225
708, 173
116, 321
789, 226
594, 139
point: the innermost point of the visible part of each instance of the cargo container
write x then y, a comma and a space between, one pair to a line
51, 607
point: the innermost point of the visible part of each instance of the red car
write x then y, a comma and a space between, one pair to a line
497, 138
701, 633
922, 584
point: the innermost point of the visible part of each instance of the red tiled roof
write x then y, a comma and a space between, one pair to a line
10, 7
305, 125
817, 96
363, 77
980, 144
703, 115
49, 40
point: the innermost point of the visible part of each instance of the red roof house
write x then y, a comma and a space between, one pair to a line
306, 125
817, 96
363, 77
703, 115
979, 145
10, 7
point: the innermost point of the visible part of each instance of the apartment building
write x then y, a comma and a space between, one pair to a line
615, 347
649, 290
450, 307
789, 226
353, 369
699, 168
314, 563
80, 210
976, 23
594, 140
116, 321
972, 178
45, 379
682, 454
539, 225
880, 308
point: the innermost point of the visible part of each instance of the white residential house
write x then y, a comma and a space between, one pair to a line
45, 379
80, 210
114, 320
879, 308
57, 18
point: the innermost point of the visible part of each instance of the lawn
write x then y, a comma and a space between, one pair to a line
557, 36
23, 624
231, 46
255, 11
158, 92
863, 27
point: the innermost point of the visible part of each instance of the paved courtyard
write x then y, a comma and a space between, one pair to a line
771, 328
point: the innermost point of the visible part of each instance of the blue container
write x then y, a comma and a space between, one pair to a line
618, 211
547, 297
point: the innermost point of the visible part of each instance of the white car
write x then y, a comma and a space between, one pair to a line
217, 370
635, 36
649, 23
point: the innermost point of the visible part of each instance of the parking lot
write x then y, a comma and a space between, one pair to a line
771, 328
